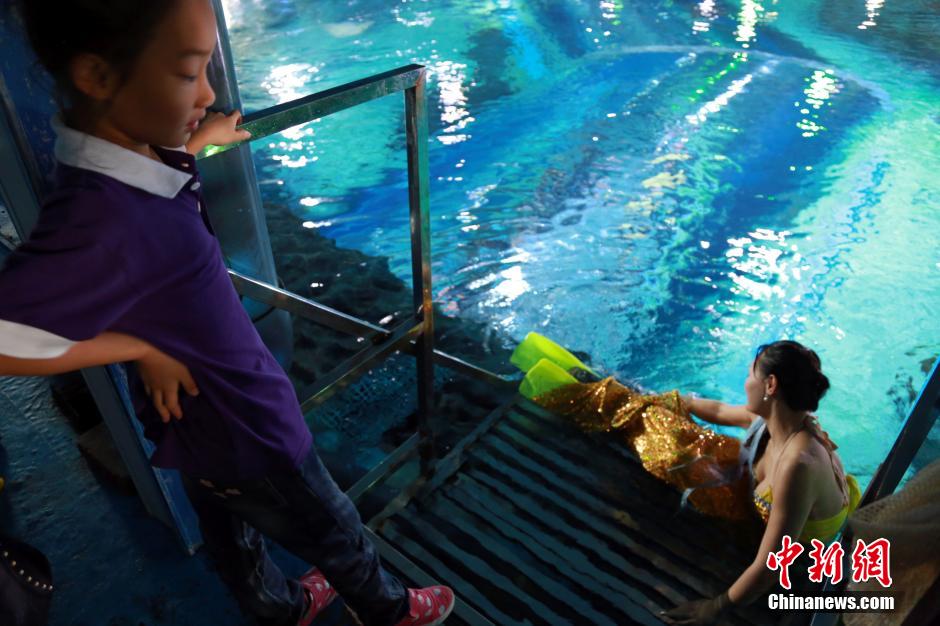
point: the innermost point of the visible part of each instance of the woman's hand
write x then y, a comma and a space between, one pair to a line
217, 129
697, 611
162, 375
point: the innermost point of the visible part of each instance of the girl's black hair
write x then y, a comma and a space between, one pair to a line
798, 372
116, 30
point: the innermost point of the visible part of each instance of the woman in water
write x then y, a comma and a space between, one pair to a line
786, 467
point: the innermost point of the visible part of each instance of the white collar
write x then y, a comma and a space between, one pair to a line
88, 152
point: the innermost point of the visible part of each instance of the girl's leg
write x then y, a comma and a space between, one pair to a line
307, 513
324, 528
238, 552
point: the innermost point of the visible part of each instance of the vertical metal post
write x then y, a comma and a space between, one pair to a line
416, 121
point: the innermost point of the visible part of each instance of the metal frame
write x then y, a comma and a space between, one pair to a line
280, 298
411, 79
415, 335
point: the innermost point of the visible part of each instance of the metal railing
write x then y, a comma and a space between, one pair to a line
415, 335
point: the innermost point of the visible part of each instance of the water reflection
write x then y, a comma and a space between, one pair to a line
872, 10
715, 105
611, 9
450, 77
413, 17
709, 12
765, 266
747, 22
285, 83
289, 82
822, 86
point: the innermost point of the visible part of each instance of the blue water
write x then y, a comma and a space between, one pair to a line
664, 185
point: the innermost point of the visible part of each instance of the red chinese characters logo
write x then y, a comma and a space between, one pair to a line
826, 563
869, 560
782, 560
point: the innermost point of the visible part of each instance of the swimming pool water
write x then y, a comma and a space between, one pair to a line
664, 185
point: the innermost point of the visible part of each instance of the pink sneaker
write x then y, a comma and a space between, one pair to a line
428, 606
319, 594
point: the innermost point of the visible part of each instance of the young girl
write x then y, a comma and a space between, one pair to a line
122, 266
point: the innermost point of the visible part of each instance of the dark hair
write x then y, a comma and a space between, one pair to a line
798, 372
116, 30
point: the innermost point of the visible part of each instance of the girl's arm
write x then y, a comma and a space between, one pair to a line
161, 374
216, 130
718, 412
108, 347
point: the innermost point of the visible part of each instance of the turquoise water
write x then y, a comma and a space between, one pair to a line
664, 186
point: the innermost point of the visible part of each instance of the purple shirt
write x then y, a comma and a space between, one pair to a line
132, 251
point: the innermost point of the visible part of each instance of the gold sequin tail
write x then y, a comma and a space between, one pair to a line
669, 444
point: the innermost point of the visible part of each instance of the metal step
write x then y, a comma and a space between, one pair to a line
545, 524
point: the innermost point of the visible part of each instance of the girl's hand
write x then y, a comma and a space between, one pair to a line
162, 376
217, 129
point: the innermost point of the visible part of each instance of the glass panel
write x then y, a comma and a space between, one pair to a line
356, 428
314, 182
930, 448
661, 188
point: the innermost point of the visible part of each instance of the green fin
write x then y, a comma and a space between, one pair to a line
536, 347
543, 377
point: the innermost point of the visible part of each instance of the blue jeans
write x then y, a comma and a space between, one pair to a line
307, 513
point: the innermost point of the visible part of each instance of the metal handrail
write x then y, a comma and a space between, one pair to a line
277, 297
280, 298
412, 80
289, 114
416, 335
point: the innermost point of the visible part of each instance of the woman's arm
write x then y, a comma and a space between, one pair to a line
793, 500
718, 412
108, 347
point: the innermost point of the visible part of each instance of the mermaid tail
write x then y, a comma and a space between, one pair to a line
657, 427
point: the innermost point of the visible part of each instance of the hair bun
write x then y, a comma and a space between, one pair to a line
798, 370
820, 386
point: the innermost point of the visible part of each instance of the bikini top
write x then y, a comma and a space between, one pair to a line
823, 529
